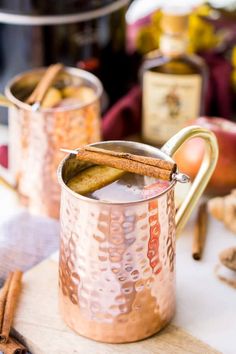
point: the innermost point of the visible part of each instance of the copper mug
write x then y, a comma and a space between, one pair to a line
117, 260
35, 138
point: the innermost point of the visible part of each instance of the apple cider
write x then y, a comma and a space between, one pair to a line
129, 188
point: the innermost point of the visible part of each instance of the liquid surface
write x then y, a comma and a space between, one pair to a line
131, 187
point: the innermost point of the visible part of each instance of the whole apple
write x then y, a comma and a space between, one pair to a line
189, 156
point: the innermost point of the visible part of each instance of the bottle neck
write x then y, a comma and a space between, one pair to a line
173, 45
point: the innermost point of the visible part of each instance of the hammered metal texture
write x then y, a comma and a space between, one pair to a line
35, 142
117, 267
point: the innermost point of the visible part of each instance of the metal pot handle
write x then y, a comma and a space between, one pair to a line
205, 171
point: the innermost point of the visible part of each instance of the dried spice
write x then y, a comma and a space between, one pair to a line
224, 209
227, 259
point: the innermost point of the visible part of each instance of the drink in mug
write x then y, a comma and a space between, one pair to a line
130, 188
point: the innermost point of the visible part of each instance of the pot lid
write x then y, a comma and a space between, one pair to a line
29, 12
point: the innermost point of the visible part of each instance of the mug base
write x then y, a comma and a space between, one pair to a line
124, 328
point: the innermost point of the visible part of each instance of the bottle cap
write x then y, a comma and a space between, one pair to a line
175, 19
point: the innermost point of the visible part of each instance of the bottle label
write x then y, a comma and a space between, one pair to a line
168, 102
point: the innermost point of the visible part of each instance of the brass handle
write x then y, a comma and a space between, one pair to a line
205, 172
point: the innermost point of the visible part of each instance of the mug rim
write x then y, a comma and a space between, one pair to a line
68, 69
121, 203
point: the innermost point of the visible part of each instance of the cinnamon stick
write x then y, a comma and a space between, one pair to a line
152, 161
147, 166
10, 305
200, 231
47, 79
3, 296
12, 347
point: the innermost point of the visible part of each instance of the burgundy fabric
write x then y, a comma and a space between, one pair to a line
219, 98
124, 118
3, 156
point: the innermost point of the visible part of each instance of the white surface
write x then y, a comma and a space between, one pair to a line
206, 307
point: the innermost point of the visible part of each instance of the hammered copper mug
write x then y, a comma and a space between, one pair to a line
35, 137
117, 260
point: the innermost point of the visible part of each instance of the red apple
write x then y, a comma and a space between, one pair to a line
189, 156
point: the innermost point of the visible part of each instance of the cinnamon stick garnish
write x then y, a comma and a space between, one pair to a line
147, 166
200, 232
152, 161
47, 79
12, 347
10, 305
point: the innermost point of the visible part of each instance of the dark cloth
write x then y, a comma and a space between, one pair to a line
219, 97
124, 118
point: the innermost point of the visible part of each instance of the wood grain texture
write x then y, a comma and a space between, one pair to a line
38, 323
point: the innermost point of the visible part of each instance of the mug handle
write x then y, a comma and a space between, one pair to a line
205, 171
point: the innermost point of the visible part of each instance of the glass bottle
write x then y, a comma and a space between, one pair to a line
173, 81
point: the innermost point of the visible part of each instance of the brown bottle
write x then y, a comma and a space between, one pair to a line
173, 82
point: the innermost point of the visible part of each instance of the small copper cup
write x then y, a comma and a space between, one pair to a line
35, 138
117, 260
